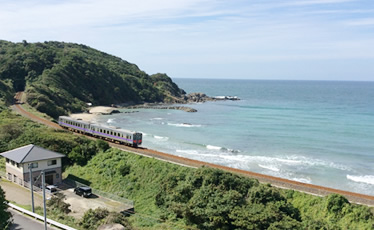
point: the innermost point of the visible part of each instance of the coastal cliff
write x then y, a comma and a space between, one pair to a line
60, 78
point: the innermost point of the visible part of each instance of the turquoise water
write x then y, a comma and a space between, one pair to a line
310, 131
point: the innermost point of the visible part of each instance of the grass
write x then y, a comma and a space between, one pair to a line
33, 111
141, 185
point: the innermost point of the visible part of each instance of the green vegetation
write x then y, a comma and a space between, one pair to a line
169, 196
59, 78
94, 218
5, 216
16, 131
6, 92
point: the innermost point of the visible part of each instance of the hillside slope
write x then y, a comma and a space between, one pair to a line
59, 77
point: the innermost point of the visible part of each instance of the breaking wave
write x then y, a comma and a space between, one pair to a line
272, 168
368, 179
212, 147
110, 120
187, 125
302, 180
161, 138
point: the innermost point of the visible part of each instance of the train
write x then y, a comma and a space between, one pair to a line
109, 133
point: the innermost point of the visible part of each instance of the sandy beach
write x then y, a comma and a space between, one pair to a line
93, 113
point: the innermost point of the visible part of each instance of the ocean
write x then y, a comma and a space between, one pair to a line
317, 132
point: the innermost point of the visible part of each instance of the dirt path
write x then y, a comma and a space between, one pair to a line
275, 181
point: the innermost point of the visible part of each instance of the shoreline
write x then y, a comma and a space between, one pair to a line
94, 112
317, 190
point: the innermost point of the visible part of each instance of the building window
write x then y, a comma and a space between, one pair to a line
13, 163
7, 160
17, 165
57, 175
33, 165
52, 162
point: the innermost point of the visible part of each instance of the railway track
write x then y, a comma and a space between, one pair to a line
275, 181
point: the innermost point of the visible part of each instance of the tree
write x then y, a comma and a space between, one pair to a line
5, 215
57, 203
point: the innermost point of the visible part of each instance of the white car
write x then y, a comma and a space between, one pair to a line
51, 188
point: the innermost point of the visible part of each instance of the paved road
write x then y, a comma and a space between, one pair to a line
19, 194
21, 222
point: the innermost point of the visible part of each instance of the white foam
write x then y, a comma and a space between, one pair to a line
230, 150
161, 138
368, 179
302, 160
110, 120
186, 151
302, 180
288, 161
186, 125
272, 168
212, 147
157, 118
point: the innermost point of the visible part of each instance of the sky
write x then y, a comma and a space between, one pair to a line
236, 39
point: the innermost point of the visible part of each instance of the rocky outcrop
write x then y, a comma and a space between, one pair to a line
186, 99
149, 106
197, 97
202, 97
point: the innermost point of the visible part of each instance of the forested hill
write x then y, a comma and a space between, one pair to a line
59, 78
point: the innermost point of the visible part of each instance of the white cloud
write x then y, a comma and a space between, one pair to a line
189, 32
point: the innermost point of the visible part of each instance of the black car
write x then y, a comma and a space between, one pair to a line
83, 191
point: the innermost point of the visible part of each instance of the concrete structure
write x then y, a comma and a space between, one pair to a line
19, 160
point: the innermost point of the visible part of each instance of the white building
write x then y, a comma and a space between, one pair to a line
19, 160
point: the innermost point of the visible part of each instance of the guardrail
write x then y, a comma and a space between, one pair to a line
37, 216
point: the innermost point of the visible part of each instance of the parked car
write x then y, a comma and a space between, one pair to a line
51, 188
84, 191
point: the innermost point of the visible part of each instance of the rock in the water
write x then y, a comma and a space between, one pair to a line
197, 97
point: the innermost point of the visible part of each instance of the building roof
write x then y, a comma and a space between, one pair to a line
30, 153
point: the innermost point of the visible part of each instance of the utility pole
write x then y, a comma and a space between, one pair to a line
45, 210
31, 188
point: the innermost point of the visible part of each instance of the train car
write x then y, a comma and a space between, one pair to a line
74, 124
116, 134
110, 133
